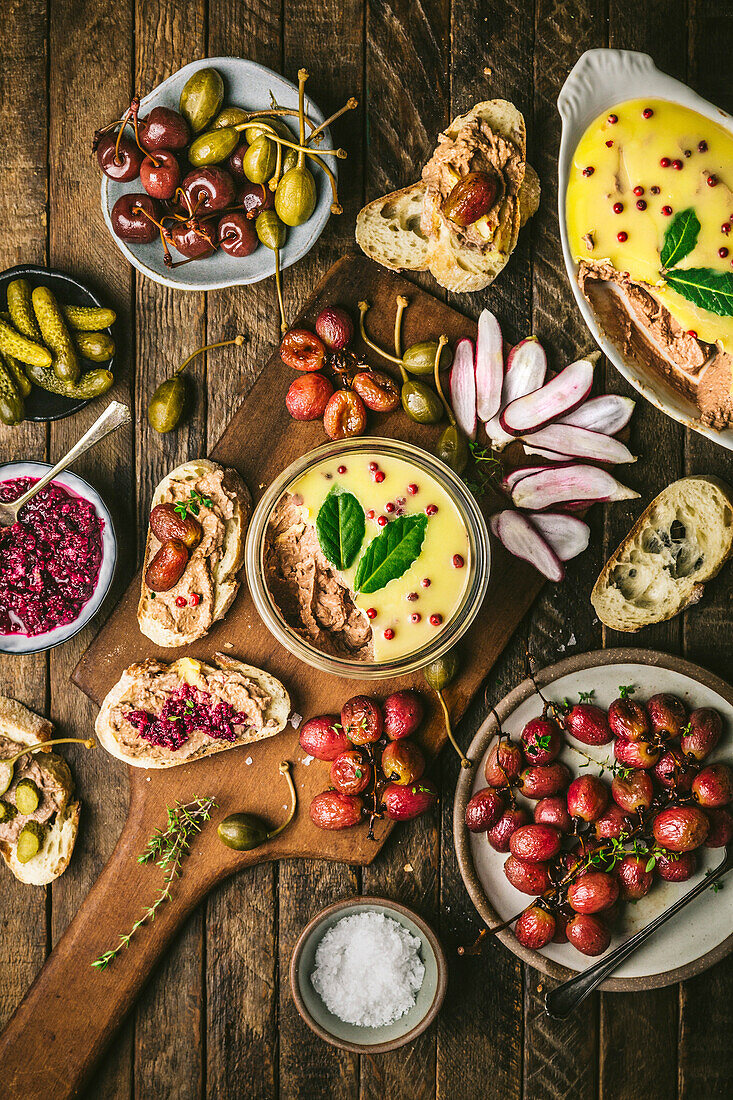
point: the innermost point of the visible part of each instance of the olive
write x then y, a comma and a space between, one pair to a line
290, 159
230, 116
213, 147
166, 405
201, 98
442, 672
270, 229
242, 832
420, 358
260, 160
452, 448
295, 198
421, 403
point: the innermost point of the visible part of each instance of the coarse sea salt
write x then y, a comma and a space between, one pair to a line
368, 969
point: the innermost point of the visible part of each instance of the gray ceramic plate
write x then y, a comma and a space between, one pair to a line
688, 944
246, 85
368, 1040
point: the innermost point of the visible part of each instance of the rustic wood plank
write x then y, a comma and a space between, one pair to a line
168, 1030
559, 1057
23, 152
705, 1055
241, 916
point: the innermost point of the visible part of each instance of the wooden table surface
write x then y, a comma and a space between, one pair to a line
217, 1019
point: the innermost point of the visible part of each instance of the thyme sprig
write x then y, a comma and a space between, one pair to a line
488, 469
193, 505
167, 848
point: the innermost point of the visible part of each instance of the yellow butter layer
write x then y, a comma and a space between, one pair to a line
446, 537
628, 154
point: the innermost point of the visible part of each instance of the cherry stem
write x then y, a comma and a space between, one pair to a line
350, 105
284, 769
364, 308
238, 340
279, 286
465, 762
442, 341
88, 742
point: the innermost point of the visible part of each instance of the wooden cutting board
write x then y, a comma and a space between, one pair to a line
72, 1011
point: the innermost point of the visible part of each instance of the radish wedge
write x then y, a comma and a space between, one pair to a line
552, 456
463, 386
568, 484
567, 535
524, 541
566, 439
526, 367
510, 480
608, 413
489, 366
556, 398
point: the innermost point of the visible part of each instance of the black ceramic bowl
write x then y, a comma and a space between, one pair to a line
40, 404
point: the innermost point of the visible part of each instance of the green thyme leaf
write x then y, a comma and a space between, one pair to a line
708, 289
625, 690
680, 238
586, 696
340, 527
390, 555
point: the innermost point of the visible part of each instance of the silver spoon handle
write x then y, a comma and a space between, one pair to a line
563, 1000
113, 416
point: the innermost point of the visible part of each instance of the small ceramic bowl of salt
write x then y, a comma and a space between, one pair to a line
368, 975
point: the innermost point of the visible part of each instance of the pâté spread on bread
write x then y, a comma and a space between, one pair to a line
366, 557
194, 552
649, 215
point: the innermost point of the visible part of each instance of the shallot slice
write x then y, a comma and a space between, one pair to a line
524, 541
566, 439
568, 484
489, 366
567, 535
526, 367
607, 413
510, 480
556, 398
463, 386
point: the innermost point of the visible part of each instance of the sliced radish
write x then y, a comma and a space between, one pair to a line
510, 480
553, 456
489, 366
523, 540
567, 535
608, 413
566, 439
463, 386
526, 367
556, 398
571, 484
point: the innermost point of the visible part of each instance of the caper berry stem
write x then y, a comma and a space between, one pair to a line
402, 304
350, 105
278, 169
442, 341
279, 286
272, 135
238, 340
302, 77
465, 762
284, 769
336, 207
364, 308
88, 742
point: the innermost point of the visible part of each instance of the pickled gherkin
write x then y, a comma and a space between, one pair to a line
18, 375
88, 318
12, 409
30, 841
20, 347
27, 796
92, 384
99, 347
21, 309
56, 335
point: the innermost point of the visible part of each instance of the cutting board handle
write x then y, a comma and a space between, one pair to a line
73, 1010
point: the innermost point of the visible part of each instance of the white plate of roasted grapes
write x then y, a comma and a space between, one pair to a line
606, 796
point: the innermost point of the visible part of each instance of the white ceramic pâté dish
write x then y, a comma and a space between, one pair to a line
690, 942
247, 85
597, 81
22, 643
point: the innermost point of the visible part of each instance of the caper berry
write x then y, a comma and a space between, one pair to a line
166, 405
242, 832
270, 230
421, 403
295, 197
420, 358
443, 671
452, 448
260, 160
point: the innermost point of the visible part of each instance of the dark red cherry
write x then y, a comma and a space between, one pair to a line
236, 234
189, 241
255, 197
124, 165
234, 163
160, 180
163, 128
131, 225
209, 189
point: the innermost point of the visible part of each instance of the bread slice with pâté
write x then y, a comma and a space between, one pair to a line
681, 541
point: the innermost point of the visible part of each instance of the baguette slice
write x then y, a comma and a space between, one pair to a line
679, 543
23, 725
110, 725
216, 576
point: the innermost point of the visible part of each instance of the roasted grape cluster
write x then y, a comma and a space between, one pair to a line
375, 769
590, 844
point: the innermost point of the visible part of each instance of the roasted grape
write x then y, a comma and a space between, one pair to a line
499, 835
587, 797
527, 877
535, 927
542, 740
504, 763
592, 892
483, 810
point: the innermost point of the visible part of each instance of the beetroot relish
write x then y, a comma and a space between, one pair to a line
184, 711
49, 560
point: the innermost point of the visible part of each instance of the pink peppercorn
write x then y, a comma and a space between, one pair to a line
677, 164
371, 612
389, 634
426, 582
666, 210
180, 601
702, 147
370, 514
609, 144
458, 561
431, 510
638, 190
341, 470
712, 181
618, 208
613, 119
589, 170
622, 236
373, 466
411, 596
436, 620
379, 477
647, 112
195, 599
722, 252
415, 617
725, 227
641, 204
382, 521
389, 506
412, 489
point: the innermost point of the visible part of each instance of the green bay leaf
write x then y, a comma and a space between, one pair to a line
391, 553
680, 237
711, 290
340, 527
